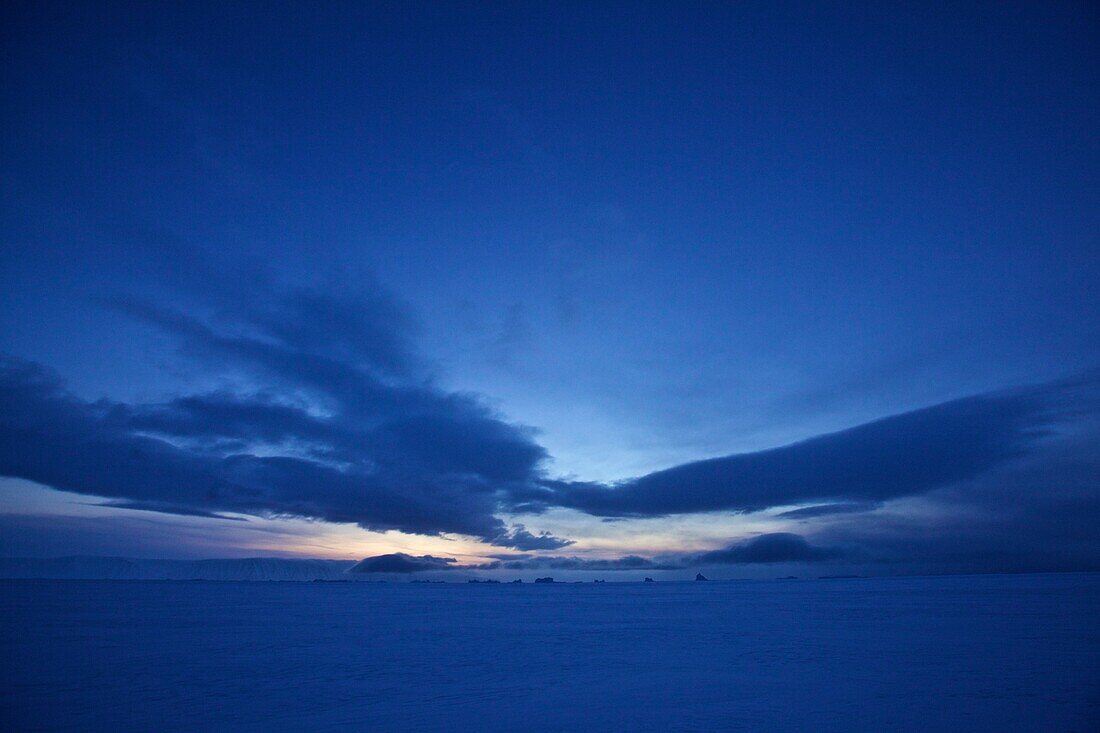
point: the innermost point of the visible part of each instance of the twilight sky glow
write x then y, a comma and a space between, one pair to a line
756, 287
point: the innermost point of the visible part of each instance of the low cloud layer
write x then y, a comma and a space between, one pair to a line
331, 415
399, 562
762, 549
901, 455
767, 548
341, 426
628, 562
775, 547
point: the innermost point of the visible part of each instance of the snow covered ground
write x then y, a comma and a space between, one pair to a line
992, 653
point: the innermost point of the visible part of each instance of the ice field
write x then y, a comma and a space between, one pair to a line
992, 653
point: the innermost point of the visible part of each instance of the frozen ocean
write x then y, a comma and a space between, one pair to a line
982, 653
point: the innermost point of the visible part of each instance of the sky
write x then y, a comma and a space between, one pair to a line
755, 288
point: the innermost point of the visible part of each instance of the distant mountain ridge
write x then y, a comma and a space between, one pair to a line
122, 568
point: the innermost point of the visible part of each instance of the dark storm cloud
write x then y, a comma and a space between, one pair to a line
399, 562
766, 548
53, 438
258, 418
897, 456
334, 417
1039, 515
358, 434
396, 416
444, 459
425, 461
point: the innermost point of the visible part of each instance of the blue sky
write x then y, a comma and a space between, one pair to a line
439, 279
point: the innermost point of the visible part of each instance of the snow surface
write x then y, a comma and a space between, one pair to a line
992, 653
